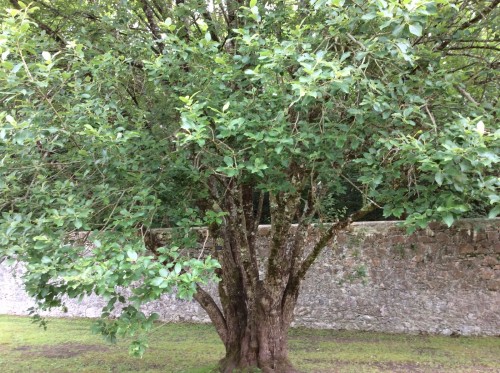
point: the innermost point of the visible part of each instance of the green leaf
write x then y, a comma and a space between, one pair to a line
495, 211
177, 268
494, 198
132, 255
397, 31
17, 67
345, 56
403, 46
448, 219
157, 281
416, 29
439, 178
153, 317
397, 212
369, 16
252, 3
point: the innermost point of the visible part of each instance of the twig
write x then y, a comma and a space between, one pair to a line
431, 117
356, 41
362, 192
466, 95
204, 244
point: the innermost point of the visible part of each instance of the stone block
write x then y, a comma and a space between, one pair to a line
426, 239
429, 232
489, 261
443, 237
493, 285
435, 226
418, 259
496, 247
466, 248
487, 274
397, 240
493, 236
478, 236
465, 235
341, 239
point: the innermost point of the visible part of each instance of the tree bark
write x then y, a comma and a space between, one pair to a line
259, 340
256, 307
258, 295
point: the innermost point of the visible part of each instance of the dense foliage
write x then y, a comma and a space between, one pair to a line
120, 116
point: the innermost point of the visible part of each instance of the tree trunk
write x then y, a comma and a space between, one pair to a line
259, 340
240, 359
257, 308
258, 292
253, 322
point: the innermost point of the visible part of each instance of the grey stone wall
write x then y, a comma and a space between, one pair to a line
375, 277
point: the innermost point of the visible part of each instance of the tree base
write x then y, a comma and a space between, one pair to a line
231, 365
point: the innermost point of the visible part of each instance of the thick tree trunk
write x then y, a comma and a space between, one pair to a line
258, 293
256, 323
257, 307
258, 342
238, 361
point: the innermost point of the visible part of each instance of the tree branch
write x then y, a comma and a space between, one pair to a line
474, 47
360, 191
283, 206
333, 231
43, 26
207, 17
466, 94
469, 23
212, 309
356, 41
153, 26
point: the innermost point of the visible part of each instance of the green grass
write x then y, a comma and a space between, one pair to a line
69, 346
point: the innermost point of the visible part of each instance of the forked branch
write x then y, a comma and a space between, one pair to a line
332, 232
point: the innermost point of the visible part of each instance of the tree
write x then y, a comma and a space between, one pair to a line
121, 116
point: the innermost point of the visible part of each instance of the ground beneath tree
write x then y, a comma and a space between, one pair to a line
61, 351
347, 351
68, 346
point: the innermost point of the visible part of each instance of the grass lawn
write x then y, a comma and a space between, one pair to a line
69, 346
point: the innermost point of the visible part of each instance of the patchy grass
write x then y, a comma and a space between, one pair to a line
347, 351
69, 346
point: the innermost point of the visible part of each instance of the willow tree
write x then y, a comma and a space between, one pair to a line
121, 116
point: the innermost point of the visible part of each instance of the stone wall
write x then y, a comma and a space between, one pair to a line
438, 280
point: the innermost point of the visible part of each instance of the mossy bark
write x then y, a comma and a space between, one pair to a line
258, 293
259, 340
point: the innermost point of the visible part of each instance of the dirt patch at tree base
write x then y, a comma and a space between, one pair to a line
60, 351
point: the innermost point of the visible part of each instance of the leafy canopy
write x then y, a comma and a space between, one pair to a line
112, 124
